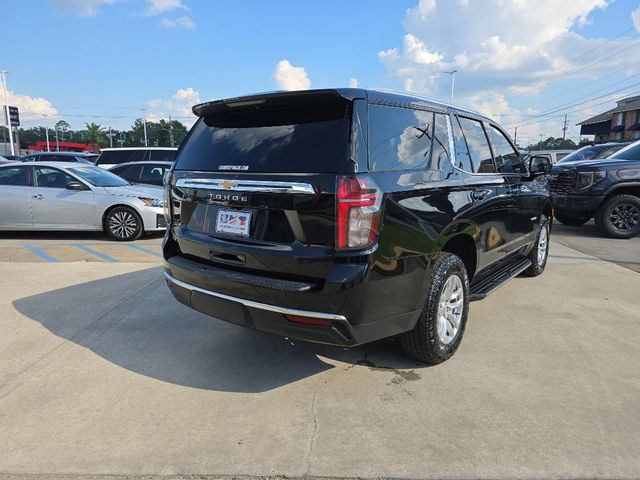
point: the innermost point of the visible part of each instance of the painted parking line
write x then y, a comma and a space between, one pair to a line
98, 254
145, 250
41, 253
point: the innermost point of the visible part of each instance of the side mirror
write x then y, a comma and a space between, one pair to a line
539, 165
75, 186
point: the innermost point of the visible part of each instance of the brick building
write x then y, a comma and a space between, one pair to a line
619, 123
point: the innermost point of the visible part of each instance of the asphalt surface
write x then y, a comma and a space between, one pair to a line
103, 373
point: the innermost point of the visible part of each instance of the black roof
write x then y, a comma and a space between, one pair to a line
373, 95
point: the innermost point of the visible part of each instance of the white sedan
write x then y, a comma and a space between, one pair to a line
64, 196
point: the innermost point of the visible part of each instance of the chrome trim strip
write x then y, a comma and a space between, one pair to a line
251, 303
245, 185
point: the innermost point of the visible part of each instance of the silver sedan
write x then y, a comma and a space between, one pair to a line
64, 196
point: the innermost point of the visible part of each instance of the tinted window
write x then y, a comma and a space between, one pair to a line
630, 152
98, 177
283, 138
585, 153
52, 177
57, 158
17, 176
116, 157
479, 150
162, 155
152, 174
131, 172
560, 156
399, 138
506, 157
440, 148
463, 160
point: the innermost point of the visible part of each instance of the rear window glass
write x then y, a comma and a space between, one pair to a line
400, 138
296, 138
116, 157
15, 176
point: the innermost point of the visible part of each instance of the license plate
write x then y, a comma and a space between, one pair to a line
232, 221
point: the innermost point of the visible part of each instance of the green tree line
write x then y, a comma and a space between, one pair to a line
158, 134
558, 143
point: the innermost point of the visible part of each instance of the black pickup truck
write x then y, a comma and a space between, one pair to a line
607, 190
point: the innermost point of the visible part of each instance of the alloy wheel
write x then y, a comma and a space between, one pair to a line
123, 224
543, 239
625, 216
450, 309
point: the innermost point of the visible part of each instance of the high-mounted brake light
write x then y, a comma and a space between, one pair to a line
358, 212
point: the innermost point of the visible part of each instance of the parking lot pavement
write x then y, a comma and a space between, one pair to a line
590, 240
52, 247
102, 372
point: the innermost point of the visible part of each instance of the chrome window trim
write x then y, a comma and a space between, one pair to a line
252, 304
246, 185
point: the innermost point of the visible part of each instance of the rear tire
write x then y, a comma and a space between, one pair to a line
540, 252
619, 216
440, 328
123, 224
569, 220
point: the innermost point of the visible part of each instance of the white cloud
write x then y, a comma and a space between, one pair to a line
178, 106
155, 7
635, 17
182, 22
82, 8
30, 108
517, 49
289, 77
353, 83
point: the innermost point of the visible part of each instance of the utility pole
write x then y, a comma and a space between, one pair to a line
564, 128
57, 141
171, 141
453, 80
46, 129
110, 138
515, 136
6, 109
144, 119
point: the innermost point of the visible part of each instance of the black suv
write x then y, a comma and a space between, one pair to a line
344, 216
607, 190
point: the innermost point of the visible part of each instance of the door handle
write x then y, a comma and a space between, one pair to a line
480, 194
37, 196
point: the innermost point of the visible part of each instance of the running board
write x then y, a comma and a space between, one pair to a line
487, 285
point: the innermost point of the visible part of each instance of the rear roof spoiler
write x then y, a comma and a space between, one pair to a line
217, 106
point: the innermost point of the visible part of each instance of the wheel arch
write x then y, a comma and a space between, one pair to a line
461, 239
623, 189
116, 205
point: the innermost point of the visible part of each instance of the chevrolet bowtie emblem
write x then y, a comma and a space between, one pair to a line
227, 184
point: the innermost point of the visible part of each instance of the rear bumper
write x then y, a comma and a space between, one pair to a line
345, 317
576, 202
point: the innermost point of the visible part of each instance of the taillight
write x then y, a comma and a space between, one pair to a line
359, 201
166, 196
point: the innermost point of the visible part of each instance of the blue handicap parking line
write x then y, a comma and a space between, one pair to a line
41, 253
90, 250
145, 250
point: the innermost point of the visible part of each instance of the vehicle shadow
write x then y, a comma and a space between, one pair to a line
134, 322
30, 236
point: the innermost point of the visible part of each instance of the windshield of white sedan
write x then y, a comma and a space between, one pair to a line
98, 177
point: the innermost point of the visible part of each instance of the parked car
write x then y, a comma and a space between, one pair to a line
607, 190
343, 216
4, 159
150, 173
11, 158
75, 196
554, 156
602, 150
110, 157
74, 157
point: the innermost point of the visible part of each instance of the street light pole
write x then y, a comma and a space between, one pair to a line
453, 80
144, 120
171, 132
46, 129
6, 109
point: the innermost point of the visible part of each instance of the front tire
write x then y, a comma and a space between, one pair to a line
123, 224
540, 252
619, 216
439, 330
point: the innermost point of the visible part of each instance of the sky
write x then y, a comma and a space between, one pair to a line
525, 63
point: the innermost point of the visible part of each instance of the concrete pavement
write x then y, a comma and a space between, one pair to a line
102, 372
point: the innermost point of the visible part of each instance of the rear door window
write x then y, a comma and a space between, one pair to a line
116, 157
14, 176
399, 138
478, 146
299, 137
162, 155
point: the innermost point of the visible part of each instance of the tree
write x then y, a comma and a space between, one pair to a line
62, 127
94, 135
552, 143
